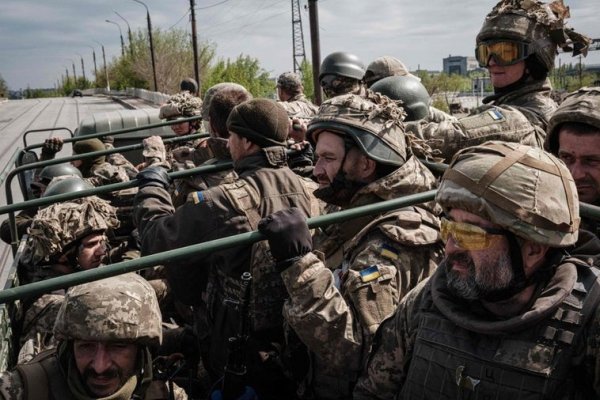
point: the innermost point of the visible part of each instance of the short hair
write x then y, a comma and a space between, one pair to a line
221, 105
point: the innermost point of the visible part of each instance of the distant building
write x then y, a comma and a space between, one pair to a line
459, 65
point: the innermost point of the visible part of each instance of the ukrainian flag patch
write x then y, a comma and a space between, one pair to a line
370, 274
495, 114
388, 252
198, 197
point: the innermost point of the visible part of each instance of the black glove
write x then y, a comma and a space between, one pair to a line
288, 235
52, 146
153, 176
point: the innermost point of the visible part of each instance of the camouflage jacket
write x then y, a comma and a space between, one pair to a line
299, 107
571, 373
38, 327
518, 116
335, 314
106, 173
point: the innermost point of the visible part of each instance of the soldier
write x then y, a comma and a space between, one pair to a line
517, 44
97, 170
574, 136
410, 91
258, 129
64, 238
207, 98
38, 187
363, 159
106, 331
342, 73
508, 313
189, 85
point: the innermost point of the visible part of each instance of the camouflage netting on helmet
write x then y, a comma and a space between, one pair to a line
182, 105
55, 228
121, 308
532, 21
523, 189
582, 106
375, 125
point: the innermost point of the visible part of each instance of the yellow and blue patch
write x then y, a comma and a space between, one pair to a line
495, 114
388, 252
198, 197
370, 274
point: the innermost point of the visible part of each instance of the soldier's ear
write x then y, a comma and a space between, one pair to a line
534, 255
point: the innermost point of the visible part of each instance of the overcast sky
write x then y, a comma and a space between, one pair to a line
39, 38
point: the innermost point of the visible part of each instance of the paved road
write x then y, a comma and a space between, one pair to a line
19, 116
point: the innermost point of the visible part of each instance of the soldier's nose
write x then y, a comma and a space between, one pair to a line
101, 361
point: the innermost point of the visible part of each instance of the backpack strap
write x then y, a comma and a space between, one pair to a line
35, 381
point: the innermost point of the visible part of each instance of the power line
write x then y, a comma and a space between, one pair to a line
211, 6
182, 17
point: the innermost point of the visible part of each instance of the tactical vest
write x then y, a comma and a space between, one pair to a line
539, 362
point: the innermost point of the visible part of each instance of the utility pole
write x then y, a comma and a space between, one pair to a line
105, 69
195, 43
120, 35
82, 67
128, 32
151, 43
67, 71
297, 36
95, 66
313, 13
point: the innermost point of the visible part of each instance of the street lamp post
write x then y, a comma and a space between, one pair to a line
74, 74
95, 66
67, 70
82, 67
120, 34
105, 69
151, 44
128, 33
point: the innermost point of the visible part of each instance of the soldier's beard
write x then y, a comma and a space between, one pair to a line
484, 283
340, 191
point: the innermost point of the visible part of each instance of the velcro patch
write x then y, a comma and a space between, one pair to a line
370, 274
198, 197
388, 252
495, 114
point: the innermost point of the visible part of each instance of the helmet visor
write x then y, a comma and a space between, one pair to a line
505, 52
469, 236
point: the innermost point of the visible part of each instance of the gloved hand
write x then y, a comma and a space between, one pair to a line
108, 141
249, 394
52, 146
288, 235
153, 176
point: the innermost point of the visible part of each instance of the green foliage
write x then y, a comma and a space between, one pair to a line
246, 71
444, 88
3, 87
307, 80
571, 77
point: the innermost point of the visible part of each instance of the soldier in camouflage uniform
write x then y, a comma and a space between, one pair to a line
63, 238
291, 97
517, 44
106, 331
574, 136
354, 278
342, 73
258, 129
508, 314
385, 66
97, 170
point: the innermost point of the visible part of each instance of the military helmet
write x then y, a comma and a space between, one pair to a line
120, 308
56, 228
383, 67
181, 105
66, 184
409, 90
342, 64
582, 106
540, 25
290, 82
526, 190
190, 85
52, 171
377, 129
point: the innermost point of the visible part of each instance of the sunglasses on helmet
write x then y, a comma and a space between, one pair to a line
469, 236
505, 52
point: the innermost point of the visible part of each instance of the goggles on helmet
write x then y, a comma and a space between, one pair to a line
469, 236
505, 52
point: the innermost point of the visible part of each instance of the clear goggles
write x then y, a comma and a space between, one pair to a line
469, 236
505, 52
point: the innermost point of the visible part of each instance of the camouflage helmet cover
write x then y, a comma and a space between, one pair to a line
57, 226
290, 82
540, 24
525, 190
383, 67
376, 128
120, 308
581, 106
181, 105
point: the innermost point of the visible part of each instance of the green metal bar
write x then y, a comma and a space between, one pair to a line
589, 211
118, 131
8, 166
169, 256
62, 128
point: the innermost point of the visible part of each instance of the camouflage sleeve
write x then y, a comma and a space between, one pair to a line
23, 220
379, 274
489, 123
390, 355
107, 173
11, 386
